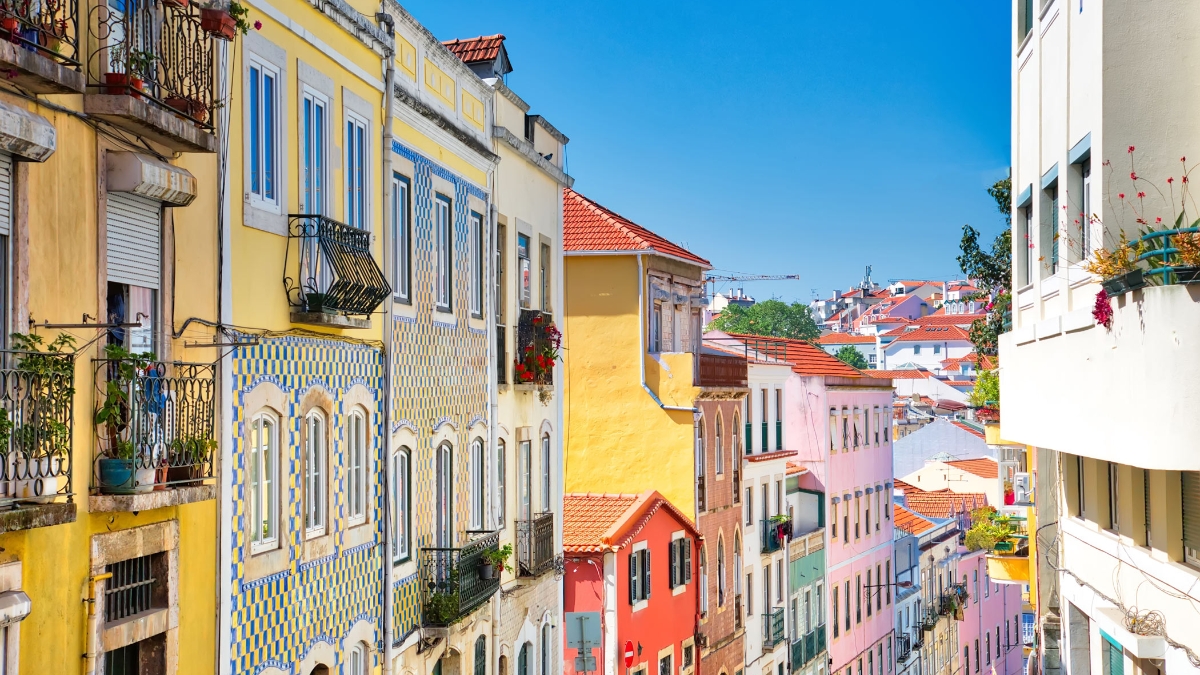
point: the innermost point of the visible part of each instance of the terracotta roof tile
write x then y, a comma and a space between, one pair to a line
905, 486
969, 429
768, 456
594, 522
940, 318
795, 469
984, 467
908, 521
808, 359
944, 504
588, 226
845, 339
911, 374
927, 333
984, 362
472, 50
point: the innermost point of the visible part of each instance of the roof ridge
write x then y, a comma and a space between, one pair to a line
614, 219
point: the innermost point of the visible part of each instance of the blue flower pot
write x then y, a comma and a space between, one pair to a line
117, 476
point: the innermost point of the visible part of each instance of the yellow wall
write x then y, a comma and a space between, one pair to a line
617, 438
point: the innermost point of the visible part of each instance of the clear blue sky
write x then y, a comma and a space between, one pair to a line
782, 137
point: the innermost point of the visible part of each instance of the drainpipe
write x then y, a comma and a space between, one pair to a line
385, 444
642, 340
91, 625
493, 393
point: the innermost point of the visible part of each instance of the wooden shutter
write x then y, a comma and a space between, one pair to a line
6, 189
686, 546
675, 563
134, 240
646, 574
633, 578
1191, 516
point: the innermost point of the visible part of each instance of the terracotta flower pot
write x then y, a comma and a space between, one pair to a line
218, 23
122, 84
10, 24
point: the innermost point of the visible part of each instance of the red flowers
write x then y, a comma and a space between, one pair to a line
257, 25
1102, 311
1120, 195
1170, 180
1158, 219
1131, 149
1132, 175
1141, 195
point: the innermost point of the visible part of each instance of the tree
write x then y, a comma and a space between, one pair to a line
987, 390
850, 355
773, 318
991, 270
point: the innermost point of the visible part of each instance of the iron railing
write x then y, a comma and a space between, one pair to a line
717, 370
1163, 257
37, 391
737, 486
329, 267
501, 355
903, 647
737, 611
164, 433
701, 494
918, 639
808, 647
48, 27
535, 545
772, 629
533, 329
765, 348
451, 581
157, 51
929, 618
773, 533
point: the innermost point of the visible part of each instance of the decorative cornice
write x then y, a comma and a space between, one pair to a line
550, 129
526, 149
507, 93
444, 123
354, 23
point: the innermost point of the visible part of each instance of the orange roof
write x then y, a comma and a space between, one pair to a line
944, 504
940, 318
844, 339
908, 521
983, 361
927, 333
984, 467
482, 48
594, 522
588, 226
768, 456
969, 429
808, 359
910, 374
795, 468
907, 487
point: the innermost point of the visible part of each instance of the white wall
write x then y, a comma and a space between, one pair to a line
899, 353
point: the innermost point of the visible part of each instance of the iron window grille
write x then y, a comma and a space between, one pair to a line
135, 587
329, 267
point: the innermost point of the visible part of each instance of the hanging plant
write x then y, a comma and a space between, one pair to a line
536, 365
1102, 311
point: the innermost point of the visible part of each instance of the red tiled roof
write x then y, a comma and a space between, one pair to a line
907, 487
984, 467
927, 334
912, 374
944, 504
969, 429
594, 522
795, 468
984, 362
808, 359
940, 318
482, 48
845, 339
588, 226
946, 404
908, 521
768, 456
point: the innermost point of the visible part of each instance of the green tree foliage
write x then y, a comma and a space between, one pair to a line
773, 318
991, 269
850, 355
987, 390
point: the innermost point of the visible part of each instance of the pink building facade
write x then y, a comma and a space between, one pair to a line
990, 633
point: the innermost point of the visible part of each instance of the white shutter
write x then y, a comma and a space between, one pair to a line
1191, 516
6, 186
134, 240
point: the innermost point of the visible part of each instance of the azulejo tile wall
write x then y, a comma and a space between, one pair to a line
279, 618
440, 365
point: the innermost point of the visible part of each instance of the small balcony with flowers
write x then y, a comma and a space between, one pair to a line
1004, 535
331, 278
155, 429
454, 582
536, 353
40, 45
153, 66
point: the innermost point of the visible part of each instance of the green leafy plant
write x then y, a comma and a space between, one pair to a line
50, 378
113, 412
498, 558
987, 390
1122, 259
987, 530
142, 63
779, 518
773, 318
850, 355
241, 17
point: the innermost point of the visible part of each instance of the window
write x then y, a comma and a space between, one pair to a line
358, 663
312, 178
1079, 484
681, 561
749, 594
975, 585
720, 572
1050, 228
749, 506
264, 138
444, 497
916, 350
1112, 656
264, 482
1113, 510
779, 586
501, 271
1026, 242
656, 327
845, 429
857, 516
720, 455
501, 492
736, 447
1026, 19
400, 499
877, 510
766, 501
546, 494
879, 591
402, 233
445, 231
870, 592
546, 647
987, 648
846, 594
887, 568
966, 659
997, 642
137, 585
478, 491
357, 492
858, 598
481, 655
1190, 493
314, 474
545, 262
868, 507
664, 665
832, 427
937, 349
977, 655
688, 656
357, 149
764, 412
767, 588
477, 260
1085, 216
524, 271
523, 660
778, 419
639, 576
836, 625
833, 520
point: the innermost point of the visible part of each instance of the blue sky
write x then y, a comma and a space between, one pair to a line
772, 138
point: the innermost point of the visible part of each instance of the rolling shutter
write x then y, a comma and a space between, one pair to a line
1191, 516
134, 240
6, 186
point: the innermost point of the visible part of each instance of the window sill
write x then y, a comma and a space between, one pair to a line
148, 501
678, 590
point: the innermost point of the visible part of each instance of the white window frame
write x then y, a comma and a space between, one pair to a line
501, 481
401, 486
357, 468
358, 662
402, 235
444, 252
478, 495
264, 500
321, 144
547, 649
316, 473
547, 487
259, 198
477, 247
358, 172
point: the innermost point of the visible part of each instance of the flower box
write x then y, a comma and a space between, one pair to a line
218, 23
1187, 275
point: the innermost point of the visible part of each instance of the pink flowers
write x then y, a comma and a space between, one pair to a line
1170, 180
1141, 195
257, 25
1131, 149
1102, 311
1132, 175
1158, 219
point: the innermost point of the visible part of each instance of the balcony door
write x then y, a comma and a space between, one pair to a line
525, 480
443, 528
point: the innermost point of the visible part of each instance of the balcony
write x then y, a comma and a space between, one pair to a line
953, 601
535, 545
929, 618
39, 49
37, 392
451, 584
917, 639
774, 530
152, 72
772, 629
155, 433
806, 649
903, 647
737, 612
331, 277
718, 370
536, 350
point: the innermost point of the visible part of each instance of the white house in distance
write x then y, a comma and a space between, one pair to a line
924, 346
973, 476
865, 344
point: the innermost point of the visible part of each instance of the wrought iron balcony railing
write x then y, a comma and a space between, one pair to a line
929, 618
157, 51
330, 269
535, 330
155, 424
774, 532
918, 639
535, 545
48, 27
903, 647
452, 583
772, 629
717, 370
37, 391
808, 647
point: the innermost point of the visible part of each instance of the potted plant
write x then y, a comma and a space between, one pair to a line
118, 78
225, 23
1118, 268
192, 107
493, 559
1188, 245
10, 24
142, 66
536, 365
120, 468
52, 34
190, 455
315, 302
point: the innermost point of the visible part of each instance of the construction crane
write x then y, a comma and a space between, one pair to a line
714, 278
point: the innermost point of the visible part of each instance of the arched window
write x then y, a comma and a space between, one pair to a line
478, 489
264, 482
523, 660
546, 505
546, 649
357, 493
314, 473
481, 655
358, 662
720, 571
501, 480
720, 449
400, 505
701, 448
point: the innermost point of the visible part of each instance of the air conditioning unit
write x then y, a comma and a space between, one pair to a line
1021, 490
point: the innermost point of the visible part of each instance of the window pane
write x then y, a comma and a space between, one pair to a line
255, 132
268, 137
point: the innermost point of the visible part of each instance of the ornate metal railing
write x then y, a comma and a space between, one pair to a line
535, 545
451, 580
774, 532
154, 50
716, 370
929, 618
163, 432
808, 647
903, 647
48, 27
36, 395
772, 629
918, 638
533, 328
329, 267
